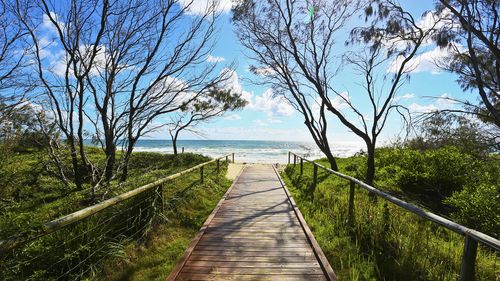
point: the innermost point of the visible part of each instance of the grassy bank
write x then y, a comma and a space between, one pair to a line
386, 242
141, 237
187, 207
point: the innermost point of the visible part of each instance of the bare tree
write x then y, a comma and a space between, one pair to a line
299, 59
12, 59
205, 108
473, 35
172, 73
78, 36
124, 63
295, 56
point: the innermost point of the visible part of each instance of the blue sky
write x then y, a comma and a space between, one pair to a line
271, 118
268, 118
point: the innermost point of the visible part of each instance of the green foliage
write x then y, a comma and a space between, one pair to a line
386, 242
440, 171
114, 235
443, 129
477, 206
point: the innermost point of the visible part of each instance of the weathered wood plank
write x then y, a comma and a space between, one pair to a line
253, 264
255, 235
276, 259
249, 270
255, 277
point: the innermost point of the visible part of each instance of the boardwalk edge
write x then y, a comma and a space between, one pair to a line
180, 264
325, 265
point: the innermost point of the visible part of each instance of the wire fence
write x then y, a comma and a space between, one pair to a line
76, 245
400, 239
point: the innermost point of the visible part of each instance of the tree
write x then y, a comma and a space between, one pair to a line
12, 60
300, 61
393, 38
213, 104
441, 129
295, 56
472, 38
123, 65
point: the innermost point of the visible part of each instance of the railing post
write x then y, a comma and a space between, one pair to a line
289, 157
183, 149
160, 195
201, 174
218, 166
467, 271
350, 217
315, 177
227, 157
294, 160
301, 166
233, 157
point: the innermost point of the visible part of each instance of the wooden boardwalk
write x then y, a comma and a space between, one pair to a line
255, 233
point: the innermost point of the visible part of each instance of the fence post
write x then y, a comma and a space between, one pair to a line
183, 149
350, 218
301, 166
227, 157
467, 270
160, 195
315, 177
201, 174
218, 166
294, 160
289, 157
233, 157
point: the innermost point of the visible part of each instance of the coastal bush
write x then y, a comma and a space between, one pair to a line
477, 206
441, 171
113, 234
386, 242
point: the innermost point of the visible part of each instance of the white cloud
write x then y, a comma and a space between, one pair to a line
418, 108
269, 103
261, 71
199, 7
273, 105
424, 62
214, 59
341, 100
232, 117
49, 25
260, 123
407, 96
446, 100
274, 121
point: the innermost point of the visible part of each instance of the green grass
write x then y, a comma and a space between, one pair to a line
187, 210
386, 242
137, 236
31, 196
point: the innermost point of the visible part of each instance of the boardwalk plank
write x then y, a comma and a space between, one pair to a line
254, 234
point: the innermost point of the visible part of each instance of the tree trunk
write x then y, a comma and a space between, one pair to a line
76, 167
174, 143
332, 160
126, 159
370, 164
110, 152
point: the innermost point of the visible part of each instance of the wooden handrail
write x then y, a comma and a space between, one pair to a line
74, 217
476, 235
472, 237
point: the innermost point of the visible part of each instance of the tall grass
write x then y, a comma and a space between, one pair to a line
386, 242
81, 250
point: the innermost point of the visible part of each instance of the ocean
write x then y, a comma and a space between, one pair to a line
246, 151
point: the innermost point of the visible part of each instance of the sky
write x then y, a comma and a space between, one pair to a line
268, 117
271, 118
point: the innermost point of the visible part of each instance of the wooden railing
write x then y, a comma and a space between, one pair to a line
9, 246
61, 222
472, 237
